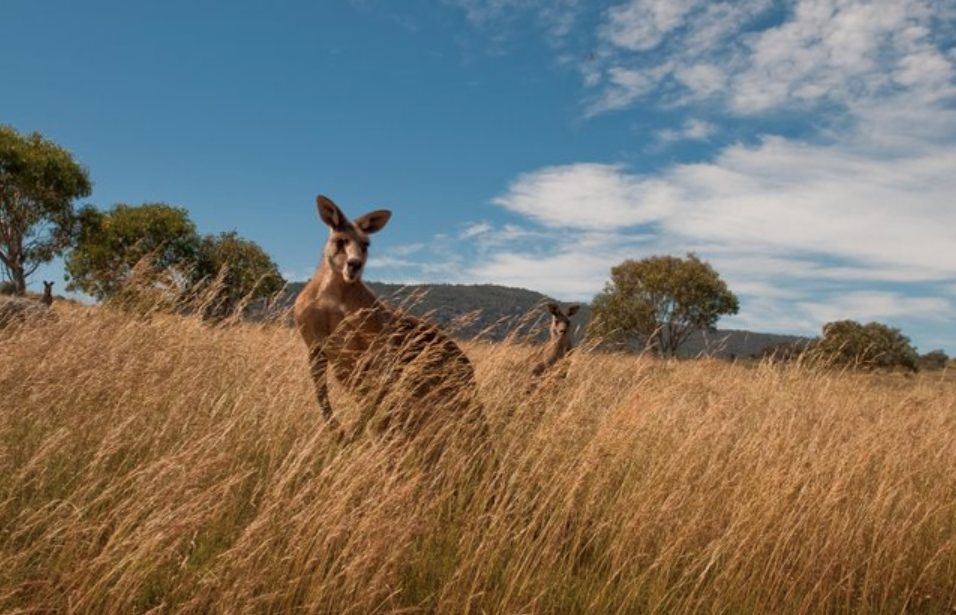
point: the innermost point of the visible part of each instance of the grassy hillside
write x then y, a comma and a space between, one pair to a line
160, 465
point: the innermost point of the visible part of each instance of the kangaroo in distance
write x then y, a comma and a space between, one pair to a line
369, 346
47, 298
560, 342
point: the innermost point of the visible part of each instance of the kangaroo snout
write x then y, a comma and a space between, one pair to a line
354, 265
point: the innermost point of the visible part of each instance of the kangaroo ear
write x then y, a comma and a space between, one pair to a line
330, 212
573, 309
554, 308
373, 221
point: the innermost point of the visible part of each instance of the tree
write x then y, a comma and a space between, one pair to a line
239, 270
111, 243
870, 346
159, 244
39, 180
661, 300
933, 360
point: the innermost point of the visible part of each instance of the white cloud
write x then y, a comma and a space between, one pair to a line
585, 196
780, 196
406, 249
842, 51
693, 129
823, 51
866, 306
808, 269
391, 262
625, 86
702, 79
642, 24
565, 274
474, 229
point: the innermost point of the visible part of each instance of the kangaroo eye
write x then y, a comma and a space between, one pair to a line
365, 246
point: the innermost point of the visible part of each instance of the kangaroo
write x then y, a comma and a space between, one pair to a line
47, 298
370, 346
560, 343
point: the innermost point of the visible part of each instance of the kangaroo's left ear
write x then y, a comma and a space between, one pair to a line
373, 221
573, 309
554, 308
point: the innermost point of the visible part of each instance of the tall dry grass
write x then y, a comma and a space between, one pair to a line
162, 465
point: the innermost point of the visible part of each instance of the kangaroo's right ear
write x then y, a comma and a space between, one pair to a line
554, 308
330, 212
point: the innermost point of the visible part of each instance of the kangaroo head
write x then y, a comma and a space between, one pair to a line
561, 321
47, 287
347, 248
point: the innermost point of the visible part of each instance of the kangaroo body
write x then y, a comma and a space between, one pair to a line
47, 298
559, 343
371, 348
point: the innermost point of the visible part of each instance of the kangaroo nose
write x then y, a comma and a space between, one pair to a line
354, 265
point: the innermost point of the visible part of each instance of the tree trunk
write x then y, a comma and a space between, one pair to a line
10, 259
19, 279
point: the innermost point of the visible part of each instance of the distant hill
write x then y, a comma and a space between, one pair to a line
468, 310
735, 343
492, 311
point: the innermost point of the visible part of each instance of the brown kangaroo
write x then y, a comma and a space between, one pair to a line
372, 348
560, 343
47, 298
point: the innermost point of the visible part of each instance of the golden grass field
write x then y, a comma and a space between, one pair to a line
162, 465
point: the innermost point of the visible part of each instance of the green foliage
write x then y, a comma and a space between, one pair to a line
661, 300
156, 246
870, 346
933, 360
110, 244
39, 180
238, 269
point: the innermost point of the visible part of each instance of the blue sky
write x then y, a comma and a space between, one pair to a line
807, 149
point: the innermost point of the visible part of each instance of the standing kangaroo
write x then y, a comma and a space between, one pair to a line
560, 342
47, 298
372, 348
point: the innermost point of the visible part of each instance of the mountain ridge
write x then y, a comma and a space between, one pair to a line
493, 312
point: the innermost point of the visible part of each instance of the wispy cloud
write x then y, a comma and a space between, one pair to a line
693, 130
474, 229
872, 305
818, 52
556, 17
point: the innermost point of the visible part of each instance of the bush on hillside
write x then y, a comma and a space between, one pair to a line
847, 343
933, 360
